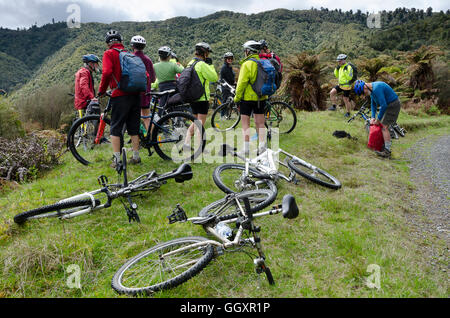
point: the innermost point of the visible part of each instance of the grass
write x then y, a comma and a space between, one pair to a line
325, 252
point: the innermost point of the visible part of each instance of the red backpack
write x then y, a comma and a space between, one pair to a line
376, 140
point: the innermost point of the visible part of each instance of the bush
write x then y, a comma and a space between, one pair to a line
46, 107
21, 159
10, 125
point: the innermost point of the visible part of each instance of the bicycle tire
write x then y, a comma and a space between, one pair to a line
224, 203
173, 129
226, 122
279, 108
120, 278
54, 210
85, 153
313, 174
244, 185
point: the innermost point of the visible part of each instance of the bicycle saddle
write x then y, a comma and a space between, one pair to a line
289, 207
183, 173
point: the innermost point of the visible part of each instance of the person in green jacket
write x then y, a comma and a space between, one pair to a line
345, 75
248, 100
166, 72
206, 73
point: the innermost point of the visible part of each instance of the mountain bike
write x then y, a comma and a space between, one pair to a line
169, 264
167, 134
278, 114
89, 202
395, 130
262, 173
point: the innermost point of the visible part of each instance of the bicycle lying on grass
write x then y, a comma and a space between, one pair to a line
395, 130
167, 135
89, 202
278, 114
262, 172
167, 265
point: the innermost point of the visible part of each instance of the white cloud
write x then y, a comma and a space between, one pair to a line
24, 13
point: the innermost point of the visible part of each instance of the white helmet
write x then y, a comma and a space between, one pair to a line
137, 39
252, 46
341, 57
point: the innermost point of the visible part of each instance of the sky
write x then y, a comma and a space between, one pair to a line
25, 13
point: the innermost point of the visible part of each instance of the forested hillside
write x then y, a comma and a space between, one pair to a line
52, 53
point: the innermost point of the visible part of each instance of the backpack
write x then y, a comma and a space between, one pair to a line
279, 75
265, 78
376, 140
134, 73
189, 85
355, 72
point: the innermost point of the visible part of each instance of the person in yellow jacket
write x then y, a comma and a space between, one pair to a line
248, 100
345, 74
206, 73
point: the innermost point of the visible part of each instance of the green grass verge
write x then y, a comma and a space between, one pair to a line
325, 252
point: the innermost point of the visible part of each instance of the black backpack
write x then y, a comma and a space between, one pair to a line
189, 85
355, 72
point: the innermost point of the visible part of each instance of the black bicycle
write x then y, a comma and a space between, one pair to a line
169, 135
89, 202
278, 114
169, 264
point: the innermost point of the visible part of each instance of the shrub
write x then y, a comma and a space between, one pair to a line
10, 125
21, 159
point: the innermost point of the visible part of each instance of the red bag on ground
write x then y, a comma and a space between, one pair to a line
376, 140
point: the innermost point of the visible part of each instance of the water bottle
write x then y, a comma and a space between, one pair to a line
223, 230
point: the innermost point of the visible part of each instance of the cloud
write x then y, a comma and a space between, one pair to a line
24, 13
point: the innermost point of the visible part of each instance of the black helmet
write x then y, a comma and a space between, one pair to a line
113, 35
203, 47
164, 52
263, 44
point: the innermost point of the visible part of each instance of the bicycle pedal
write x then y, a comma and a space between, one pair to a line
102, 180
178, 215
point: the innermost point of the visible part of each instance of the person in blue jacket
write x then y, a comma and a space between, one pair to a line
383, 96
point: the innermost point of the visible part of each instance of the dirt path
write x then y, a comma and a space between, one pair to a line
430, 173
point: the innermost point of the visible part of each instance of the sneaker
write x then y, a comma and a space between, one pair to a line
134, 161
347, 115
332, 108
385, 153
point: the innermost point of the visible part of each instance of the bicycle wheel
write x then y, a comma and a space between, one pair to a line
228, 208
81, 140
54, 210
314, 174
225, 117
229, 178
282, 116
171, 133
150, 271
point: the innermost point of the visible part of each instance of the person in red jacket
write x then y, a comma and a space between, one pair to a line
126, 107
84, 82
265, 53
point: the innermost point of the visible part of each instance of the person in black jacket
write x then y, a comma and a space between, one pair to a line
227, 74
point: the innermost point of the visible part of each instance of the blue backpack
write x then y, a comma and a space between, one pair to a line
134, 73
265, 83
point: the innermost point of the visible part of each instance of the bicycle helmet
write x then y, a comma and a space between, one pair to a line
137, 39
164, 52
263, 44
341, 57
227, 55
90, 58
252, 46
113, 35
203, 47
359, 87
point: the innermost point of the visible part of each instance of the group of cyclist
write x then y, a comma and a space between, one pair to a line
127, 108
381, 95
